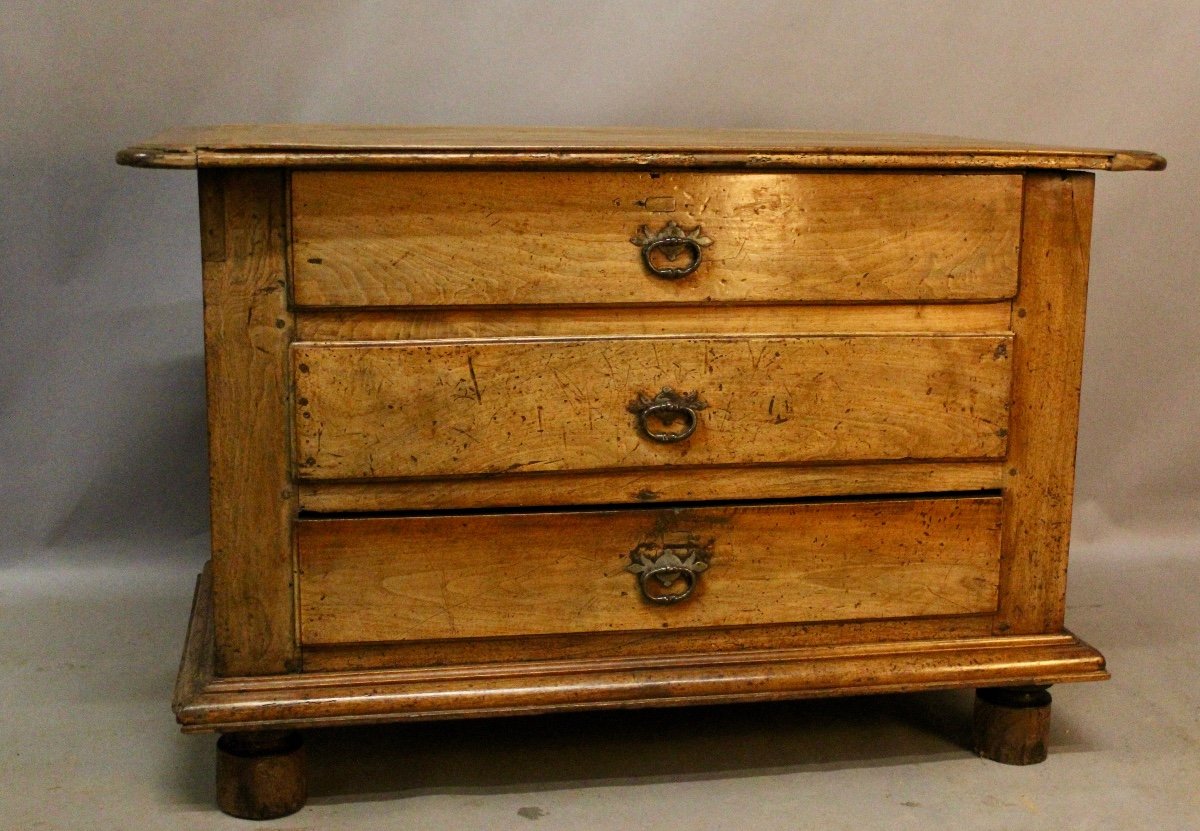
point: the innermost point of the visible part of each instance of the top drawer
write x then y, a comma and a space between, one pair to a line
461, 238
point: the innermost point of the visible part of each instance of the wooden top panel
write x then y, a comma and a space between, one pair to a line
324, 145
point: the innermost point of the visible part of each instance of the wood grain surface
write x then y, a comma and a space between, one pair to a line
291, 145
474, 407
247, 328
455, 238
678, 319
647, 485
204, 701
644, 644
1048, 319
482, 576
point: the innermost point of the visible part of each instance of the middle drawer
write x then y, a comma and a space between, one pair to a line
461, 408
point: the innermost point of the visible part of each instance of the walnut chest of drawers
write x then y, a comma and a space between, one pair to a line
510, 421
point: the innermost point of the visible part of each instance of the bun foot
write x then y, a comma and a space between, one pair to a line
260, 775
1012, 724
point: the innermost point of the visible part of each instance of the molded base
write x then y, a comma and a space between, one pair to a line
207, 702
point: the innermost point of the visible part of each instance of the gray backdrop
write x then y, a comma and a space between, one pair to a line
103, 503
101, 388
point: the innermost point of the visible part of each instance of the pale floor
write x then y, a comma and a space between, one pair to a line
88, 656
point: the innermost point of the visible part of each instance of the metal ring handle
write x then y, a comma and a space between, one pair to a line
668, 407
671, 241
675, 244
667, 414
673, 562
661, 572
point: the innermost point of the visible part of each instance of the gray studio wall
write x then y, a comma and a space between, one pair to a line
101, 389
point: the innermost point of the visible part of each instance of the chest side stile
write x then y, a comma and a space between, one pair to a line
247, 328
1048, 326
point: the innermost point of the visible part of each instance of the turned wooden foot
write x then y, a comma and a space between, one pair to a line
1012, 724
260, 775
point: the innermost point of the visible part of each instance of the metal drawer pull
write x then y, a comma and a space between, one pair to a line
667, 408
671, 242
682, 562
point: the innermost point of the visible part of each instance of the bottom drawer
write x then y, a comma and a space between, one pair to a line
411, 578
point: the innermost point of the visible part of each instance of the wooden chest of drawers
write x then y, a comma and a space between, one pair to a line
513, 421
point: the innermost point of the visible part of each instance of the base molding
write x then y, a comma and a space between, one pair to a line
206, 702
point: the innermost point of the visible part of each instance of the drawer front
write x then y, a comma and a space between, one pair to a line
518, 238
395, 410
438, 577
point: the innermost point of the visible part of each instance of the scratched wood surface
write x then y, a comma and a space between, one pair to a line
454, 238
429, 577
361, 145
439, 409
